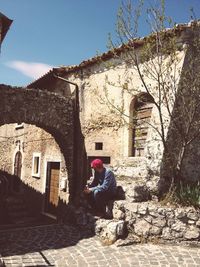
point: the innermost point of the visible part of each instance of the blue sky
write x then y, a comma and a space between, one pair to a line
52, 33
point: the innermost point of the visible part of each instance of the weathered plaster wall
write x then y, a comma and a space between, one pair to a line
6, 143
36, 140
103, 85
30, 139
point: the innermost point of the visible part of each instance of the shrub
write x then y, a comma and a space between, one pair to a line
188, 194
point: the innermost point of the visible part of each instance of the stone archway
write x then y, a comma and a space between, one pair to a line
49, 111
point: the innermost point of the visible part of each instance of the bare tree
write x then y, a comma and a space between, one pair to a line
167, 64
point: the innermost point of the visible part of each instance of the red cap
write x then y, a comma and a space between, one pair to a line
97, 163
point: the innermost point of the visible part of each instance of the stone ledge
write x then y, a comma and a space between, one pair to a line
138, 222
150, 220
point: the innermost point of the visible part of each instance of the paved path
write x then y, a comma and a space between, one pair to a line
61, 245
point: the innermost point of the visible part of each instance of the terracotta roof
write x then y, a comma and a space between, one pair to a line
116, 51
132, 43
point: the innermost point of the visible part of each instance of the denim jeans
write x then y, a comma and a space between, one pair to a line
98, 200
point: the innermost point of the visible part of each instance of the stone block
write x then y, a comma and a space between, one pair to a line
192, 233
178, 226
142, 228
192, 215
159, 222
155, 230
112, 231
166, 233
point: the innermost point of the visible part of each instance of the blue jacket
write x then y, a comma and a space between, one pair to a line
104, 181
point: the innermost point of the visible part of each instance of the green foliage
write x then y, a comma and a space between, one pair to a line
188, 194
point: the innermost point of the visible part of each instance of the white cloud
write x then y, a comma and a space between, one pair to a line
30, 69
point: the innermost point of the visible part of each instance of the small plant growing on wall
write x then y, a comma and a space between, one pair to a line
189, 194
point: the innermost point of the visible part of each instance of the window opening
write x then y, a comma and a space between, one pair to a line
98, 146
19, 126
36, 165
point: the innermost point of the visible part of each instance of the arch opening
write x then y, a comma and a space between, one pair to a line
28, 152
140, 115
55, 115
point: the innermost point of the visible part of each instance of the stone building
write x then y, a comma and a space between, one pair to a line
110, 95
109, 83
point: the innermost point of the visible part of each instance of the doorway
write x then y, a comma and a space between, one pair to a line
52, 187
17, 171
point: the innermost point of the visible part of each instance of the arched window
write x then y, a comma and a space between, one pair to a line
141, 114
18, 164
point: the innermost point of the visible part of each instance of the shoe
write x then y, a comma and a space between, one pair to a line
96, 213
99, 214
104, 215
108, 216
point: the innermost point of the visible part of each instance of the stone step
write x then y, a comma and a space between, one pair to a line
17, 210
14, 202
25, 220
15, 215
39, 221
16, 207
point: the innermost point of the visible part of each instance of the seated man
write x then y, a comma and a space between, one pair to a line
102, 189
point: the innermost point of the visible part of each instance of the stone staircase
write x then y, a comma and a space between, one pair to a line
19, 215
17, 210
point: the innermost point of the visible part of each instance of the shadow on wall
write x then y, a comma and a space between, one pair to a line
181, 157
80, 171
34, 202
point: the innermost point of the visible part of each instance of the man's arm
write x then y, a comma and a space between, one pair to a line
92, 186
109, 182
94, 182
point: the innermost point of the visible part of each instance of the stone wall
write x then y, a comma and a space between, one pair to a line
150, 220
6, 142
27, 139
139, 222
142, 218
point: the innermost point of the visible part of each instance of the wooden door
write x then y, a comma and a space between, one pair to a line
52, 187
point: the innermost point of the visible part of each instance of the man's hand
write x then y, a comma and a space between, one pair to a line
87, 190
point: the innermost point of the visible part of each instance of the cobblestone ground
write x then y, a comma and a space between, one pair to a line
61, 245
